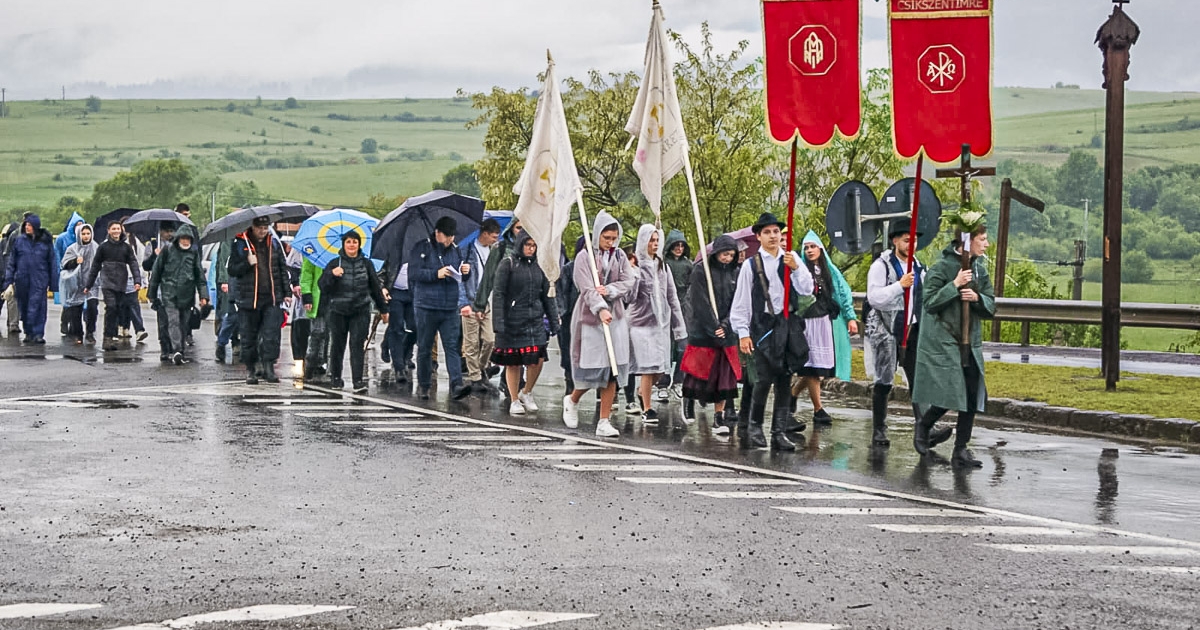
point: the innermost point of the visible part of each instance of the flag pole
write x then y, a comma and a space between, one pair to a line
787, 277
587, 243
912, 251
691, 182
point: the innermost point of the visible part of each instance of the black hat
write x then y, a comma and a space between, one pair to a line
262, 221
447, 226
903, 226
764, 220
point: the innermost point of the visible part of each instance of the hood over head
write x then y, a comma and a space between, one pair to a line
79, 231
604, 219
33, 220
724, 243
186, 231
643, 242
673, 237
519, 247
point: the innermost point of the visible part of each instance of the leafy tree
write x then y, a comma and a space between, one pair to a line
508, 118
1143, 189
460, 179
1180, 199
150, 184
92, 104
1078, 178
1136, 268
369, 145
291, 103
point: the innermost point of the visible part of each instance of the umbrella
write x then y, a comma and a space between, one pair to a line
295, 210
320, 236
413, 221
115, 216
236, 222
503, 217
145, 224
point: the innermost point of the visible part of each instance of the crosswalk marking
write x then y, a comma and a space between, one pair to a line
778, 625
985, 530
792, 496
583, 456
433, 430
649, 468
23, 611
1159, 570
268, 612
373, 414
1132, 550
282, 400
401, 423
873, 511
477, 438
530, 447
307, 407
700, 481
503, 620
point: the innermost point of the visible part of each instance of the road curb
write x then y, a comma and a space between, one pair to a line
1179, 430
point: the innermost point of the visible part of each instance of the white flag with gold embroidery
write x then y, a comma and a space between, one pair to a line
656, 119
550, 184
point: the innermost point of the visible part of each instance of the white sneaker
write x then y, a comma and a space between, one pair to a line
527, 400
677, 391
720, 429
516, 409
633, 407
570, 412
688, 421
650, 417
662, 394
604, 428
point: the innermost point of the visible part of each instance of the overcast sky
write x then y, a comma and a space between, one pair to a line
423, 48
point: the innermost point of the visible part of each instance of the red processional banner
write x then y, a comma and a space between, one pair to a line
941, 77
812, 69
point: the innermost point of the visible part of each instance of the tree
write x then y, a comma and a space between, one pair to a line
151, 184
1079, 178
460, 179
1181, 200
291, 103
369, 146
1136, 268
92, 104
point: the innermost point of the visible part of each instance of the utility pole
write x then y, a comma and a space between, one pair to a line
1115, 38
64, 93
3, 102
1086, 206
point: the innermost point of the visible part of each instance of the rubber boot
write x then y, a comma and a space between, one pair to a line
963, 458
779, 421
754, 433
921, 432
269, 372
879, 409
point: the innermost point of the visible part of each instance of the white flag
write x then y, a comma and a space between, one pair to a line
656, 120
550, 184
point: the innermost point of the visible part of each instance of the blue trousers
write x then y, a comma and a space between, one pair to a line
400, 336
32, 304
431, 324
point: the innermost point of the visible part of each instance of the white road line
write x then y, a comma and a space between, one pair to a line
1116, 550
477, 438
269, 612
432, 430
303, 400
976, 530
402, 423
646, 468
583, 456
372, 414
347, 409
792, 496
706, 481
503, 620
874, 511
530, 447
778, 625
23, 611
1159, 570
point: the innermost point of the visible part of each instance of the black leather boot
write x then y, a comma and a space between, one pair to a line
779, 422
963, 458
743, 415
268, 369
879, 409
754, 432
921, 432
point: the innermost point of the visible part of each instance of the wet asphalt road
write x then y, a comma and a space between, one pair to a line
192, 494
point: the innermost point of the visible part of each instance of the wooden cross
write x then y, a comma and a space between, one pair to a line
965, 172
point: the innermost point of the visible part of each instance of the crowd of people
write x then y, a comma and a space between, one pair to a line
645, 318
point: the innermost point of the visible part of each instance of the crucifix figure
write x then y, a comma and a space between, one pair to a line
965, 173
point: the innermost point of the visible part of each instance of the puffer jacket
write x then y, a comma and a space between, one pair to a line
112, 266
520, 301
178, 273
271, 260
354, 292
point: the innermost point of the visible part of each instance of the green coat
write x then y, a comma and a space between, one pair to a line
939, 379
178, 274
310, 291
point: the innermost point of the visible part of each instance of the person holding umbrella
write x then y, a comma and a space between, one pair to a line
263, 286
435, 272
348, 287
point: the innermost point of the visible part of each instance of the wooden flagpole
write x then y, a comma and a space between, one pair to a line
691, 181
587, 243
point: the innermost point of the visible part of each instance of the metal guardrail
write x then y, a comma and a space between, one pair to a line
1133, 314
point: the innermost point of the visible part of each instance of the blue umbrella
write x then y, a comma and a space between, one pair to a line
503, 217
320, 236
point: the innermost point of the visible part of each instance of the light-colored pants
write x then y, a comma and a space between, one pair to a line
478, 341
14, 315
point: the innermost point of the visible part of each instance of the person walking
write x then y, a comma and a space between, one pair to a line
32, 270
62, 242
597, 306
678, 256
258, 263
226, 312
435, 270
887, 281
565, 296
479, 337
776, 343
114, 267
349, 286
655, 319
175, 280
401, 336
79, 308
828, 324
710, 334
946, 378
525, 317
317, 351
166, 233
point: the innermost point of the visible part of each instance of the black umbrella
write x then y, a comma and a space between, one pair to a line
146, 224
295, 210
143, 231
236, 222
413, 221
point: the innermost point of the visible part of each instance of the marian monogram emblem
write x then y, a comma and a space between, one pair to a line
812, 50
942, 69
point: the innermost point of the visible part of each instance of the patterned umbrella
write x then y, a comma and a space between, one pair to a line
320, 236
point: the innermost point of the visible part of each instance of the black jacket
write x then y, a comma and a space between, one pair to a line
112, 265
520, 301
354, 292
701, 323
270, 261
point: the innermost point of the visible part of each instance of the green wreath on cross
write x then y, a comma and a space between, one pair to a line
966, 219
